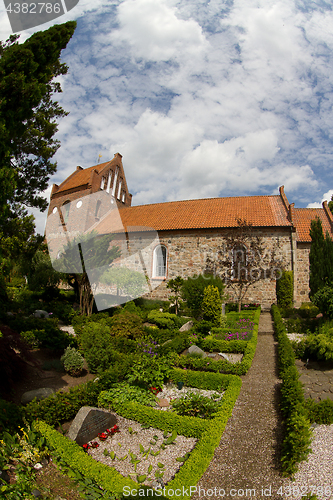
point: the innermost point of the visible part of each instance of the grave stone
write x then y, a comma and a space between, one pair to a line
89, 422
39, 313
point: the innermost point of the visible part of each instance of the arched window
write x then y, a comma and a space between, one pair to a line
65, 211
159, 262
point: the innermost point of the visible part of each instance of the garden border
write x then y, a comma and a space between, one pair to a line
208, 433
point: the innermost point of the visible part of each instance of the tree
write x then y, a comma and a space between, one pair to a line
330, 204
193, 289
321, 258
130, 283
27, 116
175, 285
211, 305
244, 260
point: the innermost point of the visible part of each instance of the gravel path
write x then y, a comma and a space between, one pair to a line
246, 463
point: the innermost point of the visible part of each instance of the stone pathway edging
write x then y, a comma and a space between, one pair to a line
249, 452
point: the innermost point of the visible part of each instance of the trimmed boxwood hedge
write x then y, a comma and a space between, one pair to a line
296, 444
208, 433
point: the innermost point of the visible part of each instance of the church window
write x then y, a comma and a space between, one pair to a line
65, 211
109, 182
159, 262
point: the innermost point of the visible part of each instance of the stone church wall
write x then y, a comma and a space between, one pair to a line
187, 252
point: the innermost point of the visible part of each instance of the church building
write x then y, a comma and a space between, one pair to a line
191, 231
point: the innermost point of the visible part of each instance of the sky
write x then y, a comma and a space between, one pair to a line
202, 98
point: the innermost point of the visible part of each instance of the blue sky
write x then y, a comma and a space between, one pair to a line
203, 98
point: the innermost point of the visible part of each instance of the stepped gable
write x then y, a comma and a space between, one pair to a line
82, 182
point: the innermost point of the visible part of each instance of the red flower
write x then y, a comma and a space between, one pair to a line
86, 447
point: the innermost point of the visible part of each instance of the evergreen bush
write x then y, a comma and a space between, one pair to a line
211, 305
193, 291
72, 361
285, 289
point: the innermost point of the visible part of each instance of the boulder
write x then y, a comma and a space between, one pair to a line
39, 313
196, 349
42, 393
187, 326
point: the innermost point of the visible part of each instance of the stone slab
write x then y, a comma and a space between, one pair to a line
89, 422
42, 393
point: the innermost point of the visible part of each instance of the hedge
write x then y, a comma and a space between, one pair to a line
296, 444
210, 344
208, 432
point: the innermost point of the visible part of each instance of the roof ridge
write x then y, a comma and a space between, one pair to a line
204, 199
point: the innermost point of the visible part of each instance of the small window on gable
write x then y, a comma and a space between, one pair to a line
159, 262
103, 183
114, 183
123, 197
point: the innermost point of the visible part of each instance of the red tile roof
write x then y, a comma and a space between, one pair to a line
80, 177
206, 213
303, 218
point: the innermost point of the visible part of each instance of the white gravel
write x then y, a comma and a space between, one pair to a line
124, 442
314, 476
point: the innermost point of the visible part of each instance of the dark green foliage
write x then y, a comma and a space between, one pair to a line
321, 258
202, 327
193, 291
42, 275
160, 335
308, 310
28, 123
285, 289
97, 347
10, 417
45, 331
323, 299
149, 371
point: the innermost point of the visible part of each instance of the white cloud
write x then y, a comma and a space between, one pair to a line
154, 32
326, 197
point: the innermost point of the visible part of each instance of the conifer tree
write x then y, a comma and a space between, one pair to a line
317, 257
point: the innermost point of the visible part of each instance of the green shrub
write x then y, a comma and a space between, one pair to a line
285, 289
193, 291
148, 371
296, 445
196, 405
72, 361
211, 305
125, 392
30, 339
308, 310
320, 413
164, 320
323, 299
126, 324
